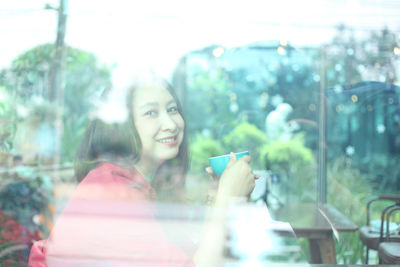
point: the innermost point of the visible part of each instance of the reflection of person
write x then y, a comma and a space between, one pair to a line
136, 162
35, 139
276, 125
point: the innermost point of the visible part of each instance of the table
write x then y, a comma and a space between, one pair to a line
247, 228
317, 223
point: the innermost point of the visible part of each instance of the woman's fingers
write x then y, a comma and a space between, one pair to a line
211, 173
231, 161
238, 178
246, 158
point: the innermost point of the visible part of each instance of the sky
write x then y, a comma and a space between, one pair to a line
155, 33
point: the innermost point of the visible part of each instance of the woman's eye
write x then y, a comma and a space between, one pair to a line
150, 113
173, 110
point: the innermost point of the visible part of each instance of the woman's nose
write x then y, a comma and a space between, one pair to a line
168, 123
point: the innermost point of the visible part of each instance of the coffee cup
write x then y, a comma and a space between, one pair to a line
218, 163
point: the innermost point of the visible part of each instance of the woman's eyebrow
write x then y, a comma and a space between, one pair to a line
172, 101
149, 104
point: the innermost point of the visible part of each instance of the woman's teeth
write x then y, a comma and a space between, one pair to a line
168, 140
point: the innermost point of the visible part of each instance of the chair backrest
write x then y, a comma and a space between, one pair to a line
389, 214
395, 199
384, 218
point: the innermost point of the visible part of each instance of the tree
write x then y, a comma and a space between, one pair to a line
85, 80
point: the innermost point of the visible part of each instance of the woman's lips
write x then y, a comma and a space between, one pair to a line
168, 141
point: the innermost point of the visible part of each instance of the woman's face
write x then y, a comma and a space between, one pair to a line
158, 122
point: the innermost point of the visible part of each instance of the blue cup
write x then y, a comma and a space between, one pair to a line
218, 164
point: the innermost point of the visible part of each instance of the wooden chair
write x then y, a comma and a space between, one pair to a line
389, 248
370, 236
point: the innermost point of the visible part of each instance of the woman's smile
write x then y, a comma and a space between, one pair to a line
169, 141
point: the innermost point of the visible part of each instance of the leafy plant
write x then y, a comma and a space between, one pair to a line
287, 155
15, 241
25, 195
25, 216
246, 136
201, 149
295, 164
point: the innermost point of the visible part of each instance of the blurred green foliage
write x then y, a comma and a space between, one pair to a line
208, 104
283, 157
7, 119
344, 180
246, 136
295, 165
288, 155
349, 192
85, 79
201, 148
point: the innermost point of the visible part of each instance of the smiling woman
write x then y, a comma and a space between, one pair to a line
151, 140
126, 170
160, 126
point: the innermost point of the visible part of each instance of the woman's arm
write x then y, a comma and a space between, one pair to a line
237, 181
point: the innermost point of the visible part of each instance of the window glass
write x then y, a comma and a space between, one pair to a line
112, 112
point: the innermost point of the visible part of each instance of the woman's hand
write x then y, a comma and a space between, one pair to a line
212, 186
237, 180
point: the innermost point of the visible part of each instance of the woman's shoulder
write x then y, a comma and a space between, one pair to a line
109, 181
110, 173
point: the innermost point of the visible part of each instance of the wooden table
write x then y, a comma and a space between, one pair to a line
318, 224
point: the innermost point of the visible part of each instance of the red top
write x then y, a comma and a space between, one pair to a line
109, 220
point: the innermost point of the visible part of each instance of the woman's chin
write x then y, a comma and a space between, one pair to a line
170, 155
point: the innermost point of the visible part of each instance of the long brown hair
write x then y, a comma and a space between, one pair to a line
120, 142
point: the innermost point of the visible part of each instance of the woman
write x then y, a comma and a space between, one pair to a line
126, 167
151, 141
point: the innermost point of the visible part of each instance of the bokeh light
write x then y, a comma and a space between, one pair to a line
219, 51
